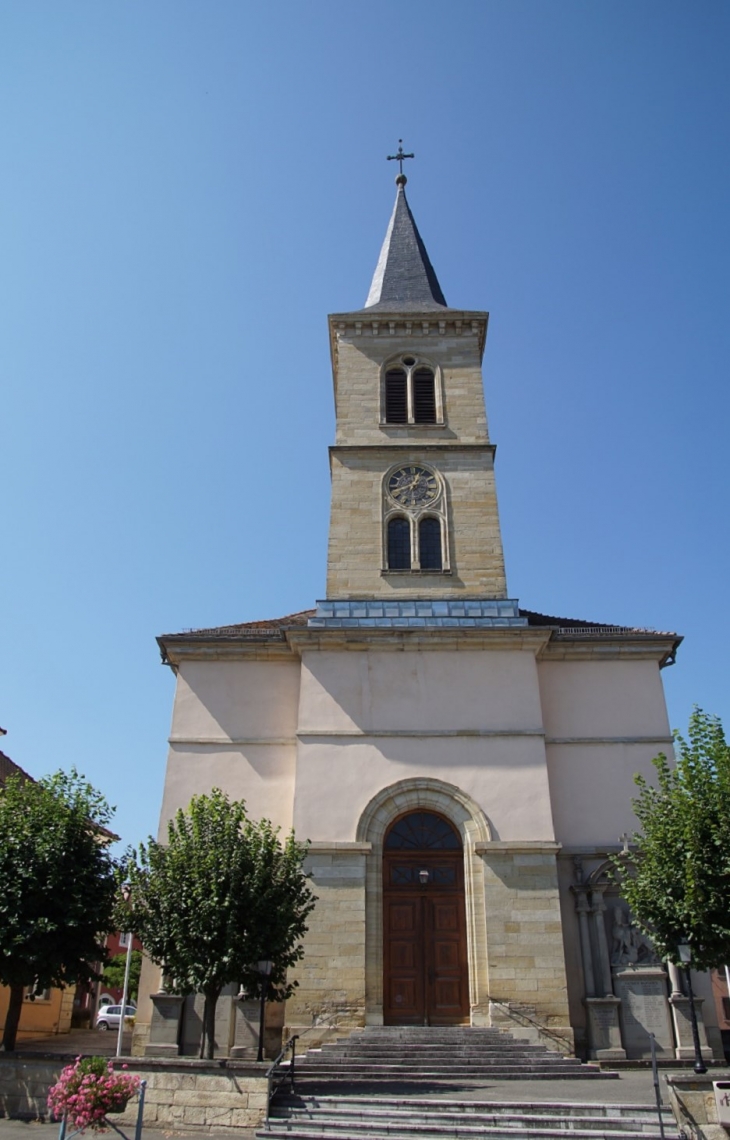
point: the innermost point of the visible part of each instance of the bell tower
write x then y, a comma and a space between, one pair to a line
414, 503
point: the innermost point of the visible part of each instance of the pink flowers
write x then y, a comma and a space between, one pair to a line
87, 1090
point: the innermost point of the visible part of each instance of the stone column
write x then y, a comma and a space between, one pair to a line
604, 1033
681, 1019
598, 907
675, 980
581, 906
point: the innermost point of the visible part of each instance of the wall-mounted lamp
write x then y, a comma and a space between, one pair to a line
423, 877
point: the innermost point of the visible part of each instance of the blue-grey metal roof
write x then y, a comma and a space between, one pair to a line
404, 277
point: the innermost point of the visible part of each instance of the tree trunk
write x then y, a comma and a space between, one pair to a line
207, 1037
12, 1019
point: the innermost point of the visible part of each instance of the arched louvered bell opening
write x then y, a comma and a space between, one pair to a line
429, 543
424, 396
399, 544
396, 396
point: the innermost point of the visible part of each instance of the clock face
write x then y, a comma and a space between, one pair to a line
413, 486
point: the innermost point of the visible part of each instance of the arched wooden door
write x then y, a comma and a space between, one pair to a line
426, 978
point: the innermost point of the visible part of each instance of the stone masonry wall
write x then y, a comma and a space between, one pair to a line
526, 962
355, 555
330, 998
180, 1095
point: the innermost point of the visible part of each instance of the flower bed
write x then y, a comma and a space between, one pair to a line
89, 1089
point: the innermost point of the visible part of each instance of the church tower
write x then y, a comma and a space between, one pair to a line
414, 504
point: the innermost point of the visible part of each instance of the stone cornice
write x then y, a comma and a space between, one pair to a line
401, 326
540, 640
176, 653
411, 445
425, 638
343, 847
517, 846
629, 644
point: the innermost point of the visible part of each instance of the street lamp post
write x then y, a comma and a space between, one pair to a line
685, 956
126, 891
264, 968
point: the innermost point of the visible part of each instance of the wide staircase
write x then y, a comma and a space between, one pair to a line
392, 1083
333, 1117
385, 1053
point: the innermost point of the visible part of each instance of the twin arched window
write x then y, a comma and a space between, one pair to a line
428, 554
410, 393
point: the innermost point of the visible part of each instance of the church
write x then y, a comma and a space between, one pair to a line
462, 767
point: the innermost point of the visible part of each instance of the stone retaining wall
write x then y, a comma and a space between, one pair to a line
692, 1100
202, 1096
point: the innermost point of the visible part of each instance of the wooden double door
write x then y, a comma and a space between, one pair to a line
426, 980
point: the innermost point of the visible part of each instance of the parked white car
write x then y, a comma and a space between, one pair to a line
108, 1016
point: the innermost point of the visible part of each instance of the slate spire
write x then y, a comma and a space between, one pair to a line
404, 277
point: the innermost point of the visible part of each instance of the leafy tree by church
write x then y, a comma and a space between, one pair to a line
113, 976
57, 886
679, 886
223, 893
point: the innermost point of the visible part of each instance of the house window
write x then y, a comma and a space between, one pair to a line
399, 544
30, 994
429, 544
411, 393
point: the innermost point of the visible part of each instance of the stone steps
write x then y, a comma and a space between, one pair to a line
385, 1053
399, 1118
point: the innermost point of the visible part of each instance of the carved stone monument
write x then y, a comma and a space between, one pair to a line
604, 1033
644, 1010
165, 1025
246, 1027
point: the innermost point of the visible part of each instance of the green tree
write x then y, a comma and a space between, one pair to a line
113, 975
57, 886
223, 893
679, 884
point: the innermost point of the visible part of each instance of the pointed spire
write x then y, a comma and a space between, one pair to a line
404, 277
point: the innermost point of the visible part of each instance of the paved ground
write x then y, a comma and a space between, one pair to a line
99, 1042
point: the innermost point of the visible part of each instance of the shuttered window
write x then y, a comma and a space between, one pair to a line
429, 544
396, 396
424, 396
399, 544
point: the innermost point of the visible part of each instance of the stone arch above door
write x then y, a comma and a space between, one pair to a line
425, 793
429, 794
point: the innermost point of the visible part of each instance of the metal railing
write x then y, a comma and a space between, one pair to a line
276, 1078
521, 1017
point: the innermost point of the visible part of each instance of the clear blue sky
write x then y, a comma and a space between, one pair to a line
188, 188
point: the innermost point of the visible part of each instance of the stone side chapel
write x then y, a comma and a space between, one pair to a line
463, 767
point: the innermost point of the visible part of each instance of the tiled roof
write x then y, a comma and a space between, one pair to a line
8, 767
404, 277
577, 625
274, 628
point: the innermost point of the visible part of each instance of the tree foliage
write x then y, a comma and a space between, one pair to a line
57, 886
679, 887
223, 893
113, 975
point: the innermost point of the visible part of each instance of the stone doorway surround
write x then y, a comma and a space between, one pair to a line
426, 794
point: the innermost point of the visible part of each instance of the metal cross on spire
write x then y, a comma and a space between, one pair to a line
399, 156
